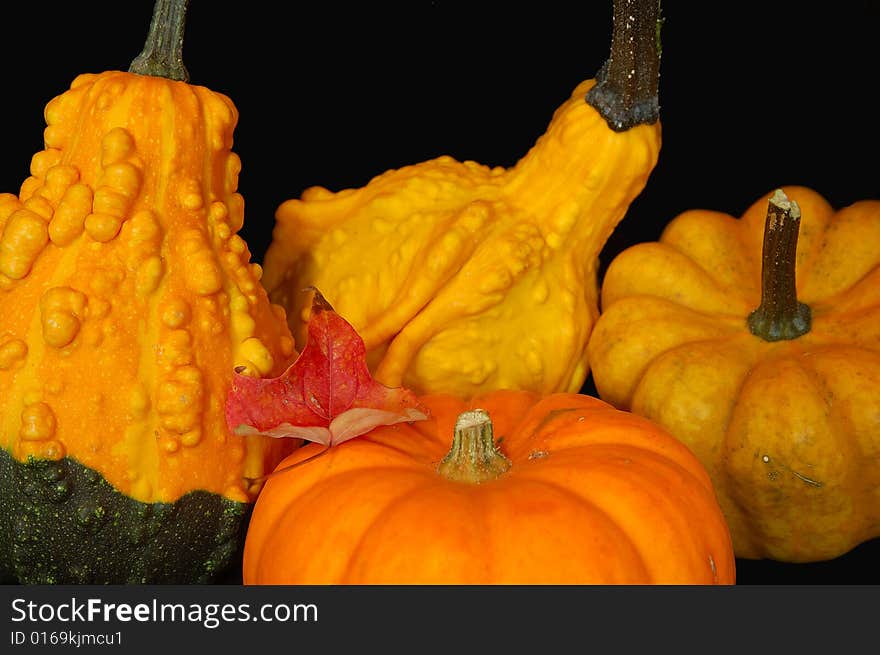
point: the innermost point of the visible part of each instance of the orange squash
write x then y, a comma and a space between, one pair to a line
572, 492
127, 300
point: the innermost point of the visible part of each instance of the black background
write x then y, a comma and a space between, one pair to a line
753, 96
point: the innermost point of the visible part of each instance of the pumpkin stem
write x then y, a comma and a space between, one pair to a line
626, 90
474, 456
162, 55
780, 315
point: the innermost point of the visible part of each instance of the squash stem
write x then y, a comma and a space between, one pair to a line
474, 456
162, 55
780, 315
626, 90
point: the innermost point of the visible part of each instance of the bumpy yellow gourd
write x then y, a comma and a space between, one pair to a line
463, 278
127, 300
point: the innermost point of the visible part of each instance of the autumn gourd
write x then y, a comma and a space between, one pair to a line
756, 342
127, 300
463, 278
510, 487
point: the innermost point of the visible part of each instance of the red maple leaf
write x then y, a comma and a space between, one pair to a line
327, 395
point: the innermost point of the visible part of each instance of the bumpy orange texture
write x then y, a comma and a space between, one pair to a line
127, 295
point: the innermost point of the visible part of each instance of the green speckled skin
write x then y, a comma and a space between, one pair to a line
62, 523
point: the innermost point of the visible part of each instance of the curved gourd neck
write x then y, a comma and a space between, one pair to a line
602, 143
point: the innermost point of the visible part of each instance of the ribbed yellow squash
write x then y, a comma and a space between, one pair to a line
766, 367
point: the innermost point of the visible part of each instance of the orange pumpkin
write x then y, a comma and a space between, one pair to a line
573, 492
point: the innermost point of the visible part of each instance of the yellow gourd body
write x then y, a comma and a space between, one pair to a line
463, 278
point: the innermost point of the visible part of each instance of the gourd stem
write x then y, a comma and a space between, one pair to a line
474, 456
162, 55
780, 315
626, 90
